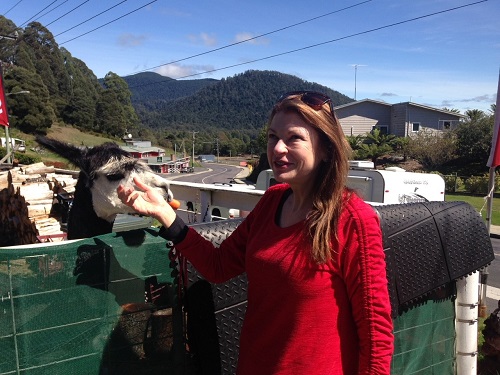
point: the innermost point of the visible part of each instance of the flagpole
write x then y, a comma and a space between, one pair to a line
483, 310
493, 162
7, 145
4, 120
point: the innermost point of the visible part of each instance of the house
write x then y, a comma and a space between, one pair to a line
155, 157
401, 119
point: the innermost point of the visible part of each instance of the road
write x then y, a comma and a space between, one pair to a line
208, 173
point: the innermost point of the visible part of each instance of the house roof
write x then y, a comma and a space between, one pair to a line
142, 150
407, 103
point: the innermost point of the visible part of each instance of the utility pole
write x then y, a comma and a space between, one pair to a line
355, 77
217, 143
192, 160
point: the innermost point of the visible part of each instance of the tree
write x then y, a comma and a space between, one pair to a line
49, 64
28, 112
375, 145
452, 110
474, 115
432, 148
114, 112
355, 141
401, 145
83, 93
474, 137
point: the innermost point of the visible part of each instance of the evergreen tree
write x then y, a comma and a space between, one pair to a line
30, 112
115, 113
84, 93
49, 64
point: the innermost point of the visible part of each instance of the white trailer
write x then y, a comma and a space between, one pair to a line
388, 186
394, 185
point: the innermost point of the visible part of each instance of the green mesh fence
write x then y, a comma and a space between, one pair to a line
80, 308
101, 306
425, 339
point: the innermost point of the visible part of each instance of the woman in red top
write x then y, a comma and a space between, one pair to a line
317, 289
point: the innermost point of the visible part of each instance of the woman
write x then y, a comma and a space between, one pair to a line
317, 290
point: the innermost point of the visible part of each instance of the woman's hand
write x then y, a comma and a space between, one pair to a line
147, 201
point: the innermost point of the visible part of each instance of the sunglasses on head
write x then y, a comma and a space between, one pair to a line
313, 99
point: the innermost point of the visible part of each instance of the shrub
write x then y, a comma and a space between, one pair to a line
27, 159
477, 184
452, 183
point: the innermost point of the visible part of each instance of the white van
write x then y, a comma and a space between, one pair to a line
17, 144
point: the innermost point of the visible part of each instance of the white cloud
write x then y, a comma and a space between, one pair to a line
130, 40
480, 99
247, 37
184, 71
204, 38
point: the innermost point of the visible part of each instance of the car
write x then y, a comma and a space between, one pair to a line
187, 170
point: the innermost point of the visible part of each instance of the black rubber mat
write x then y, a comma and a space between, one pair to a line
229, 301
430, 244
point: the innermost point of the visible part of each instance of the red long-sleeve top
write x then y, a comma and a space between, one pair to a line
305, 318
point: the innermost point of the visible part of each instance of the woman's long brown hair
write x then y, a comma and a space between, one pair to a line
330, 185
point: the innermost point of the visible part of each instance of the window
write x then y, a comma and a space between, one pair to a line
384, 129
447, 124
415, 126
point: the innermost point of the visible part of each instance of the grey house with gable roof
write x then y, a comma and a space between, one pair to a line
401, 119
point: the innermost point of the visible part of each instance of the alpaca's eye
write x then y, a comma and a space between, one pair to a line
115, 177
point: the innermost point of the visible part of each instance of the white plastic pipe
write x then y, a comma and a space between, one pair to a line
466, 324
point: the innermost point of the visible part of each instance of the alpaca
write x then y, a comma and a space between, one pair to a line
102, 169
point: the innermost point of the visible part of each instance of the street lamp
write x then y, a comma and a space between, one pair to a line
16, 93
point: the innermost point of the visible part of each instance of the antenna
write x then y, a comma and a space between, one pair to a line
355, 76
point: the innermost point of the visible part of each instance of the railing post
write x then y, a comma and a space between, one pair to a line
466, 324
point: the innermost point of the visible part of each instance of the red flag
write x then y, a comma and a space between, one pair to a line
4, 116
494, 159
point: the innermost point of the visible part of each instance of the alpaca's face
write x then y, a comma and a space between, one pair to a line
105, 181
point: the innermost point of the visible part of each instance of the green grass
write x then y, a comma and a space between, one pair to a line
480, 204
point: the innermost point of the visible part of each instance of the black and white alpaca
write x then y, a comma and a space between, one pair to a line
102, 169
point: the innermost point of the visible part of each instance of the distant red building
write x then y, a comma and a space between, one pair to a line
155, 157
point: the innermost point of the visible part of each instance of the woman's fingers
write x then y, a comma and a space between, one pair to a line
140, 184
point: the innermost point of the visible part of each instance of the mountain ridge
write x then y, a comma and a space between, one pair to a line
242, 101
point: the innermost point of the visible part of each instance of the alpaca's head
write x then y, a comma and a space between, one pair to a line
102, 169
104, 181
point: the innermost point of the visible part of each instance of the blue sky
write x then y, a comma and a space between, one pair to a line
450, 59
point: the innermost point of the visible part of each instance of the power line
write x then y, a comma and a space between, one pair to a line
12, 7
87, 20
68, 12
50, 11
255, 37
25, 22
107, 23
318, 44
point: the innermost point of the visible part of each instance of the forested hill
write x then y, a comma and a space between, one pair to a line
61, 88
152, 87
239, 102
